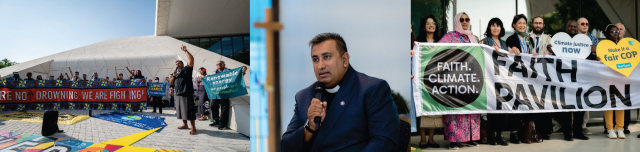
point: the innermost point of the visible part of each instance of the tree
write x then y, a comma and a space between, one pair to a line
570, 10
401, 104
6, 62
424, 8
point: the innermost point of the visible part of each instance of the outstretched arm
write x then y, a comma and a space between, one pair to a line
67, 76
70, 70
115, 71
189, 56
130, 71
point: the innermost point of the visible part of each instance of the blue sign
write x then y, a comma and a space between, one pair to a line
157, 89
132, 119
225, 85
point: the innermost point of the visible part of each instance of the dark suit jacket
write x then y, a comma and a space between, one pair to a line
368, 120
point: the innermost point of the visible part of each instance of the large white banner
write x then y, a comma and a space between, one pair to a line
459, 78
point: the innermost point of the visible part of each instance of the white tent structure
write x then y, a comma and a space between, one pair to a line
155, 55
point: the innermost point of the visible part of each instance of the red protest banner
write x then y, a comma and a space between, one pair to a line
33, 95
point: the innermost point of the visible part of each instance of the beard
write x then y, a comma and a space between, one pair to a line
537, 31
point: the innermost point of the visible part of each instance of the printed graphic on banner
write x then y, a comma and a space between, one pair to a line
229, 84
137, 120
15, 141
157, 89
578, 46
72, 84
515, 83
8, 95
453, 78
63, 118
622, 57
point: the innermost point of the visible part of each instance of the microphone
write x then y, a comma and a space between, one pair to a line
319, 91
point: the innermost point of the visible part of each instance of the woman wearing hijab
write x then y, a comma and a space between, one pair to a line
428, 34
464, 127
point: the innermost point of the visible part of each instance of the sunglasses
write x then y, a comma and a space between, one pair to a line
615, 32
584, 24
464, 19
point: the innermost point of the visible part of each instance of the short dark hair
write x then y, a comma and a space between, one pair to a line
157, 78
180, 61
494, 20
537, 17
341, 46
518, 17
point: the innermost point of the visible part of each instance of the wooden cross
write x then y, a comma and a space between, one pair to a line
270, 86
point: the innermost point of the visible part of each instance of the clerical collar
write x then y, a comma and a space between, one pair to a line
334, 89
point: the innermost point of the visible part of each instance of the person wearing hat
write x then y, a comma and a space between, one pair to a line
51, 77
16, 77
29, 76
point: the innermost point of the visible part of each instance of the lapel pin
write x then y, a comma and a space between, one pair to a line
342, 103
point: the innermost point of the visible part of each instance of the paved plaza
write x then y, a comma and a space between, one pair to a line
98, 130
598, 142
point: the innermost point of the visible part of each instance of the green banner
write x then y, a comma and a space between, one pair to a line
451, 78
225, 85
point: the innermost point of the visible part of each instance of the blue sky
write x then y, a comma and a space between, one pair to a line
30, 29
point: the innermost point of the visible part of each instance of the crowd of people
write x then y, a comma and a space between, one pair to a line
464, 129
183, 88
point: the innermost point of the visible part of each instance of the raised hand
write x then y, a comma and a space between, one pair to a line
183, 48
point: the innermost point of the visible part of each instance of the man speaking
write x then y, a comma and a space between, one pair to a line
345, 110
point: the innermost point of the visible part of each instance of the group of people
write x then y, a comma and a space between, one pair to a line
76, 76
464, 129
182, 91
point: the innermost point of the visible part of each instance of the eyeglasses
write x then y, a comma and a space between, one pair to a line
431, 23
220, 64
584, 24
538, 23
464, 19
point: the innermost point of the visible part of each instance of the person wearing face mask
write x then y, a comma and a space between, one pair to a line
495, 30
461, 128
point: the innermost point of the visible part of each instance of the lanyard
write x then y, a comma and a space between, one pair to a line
494, 43
461, 39
524, 49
